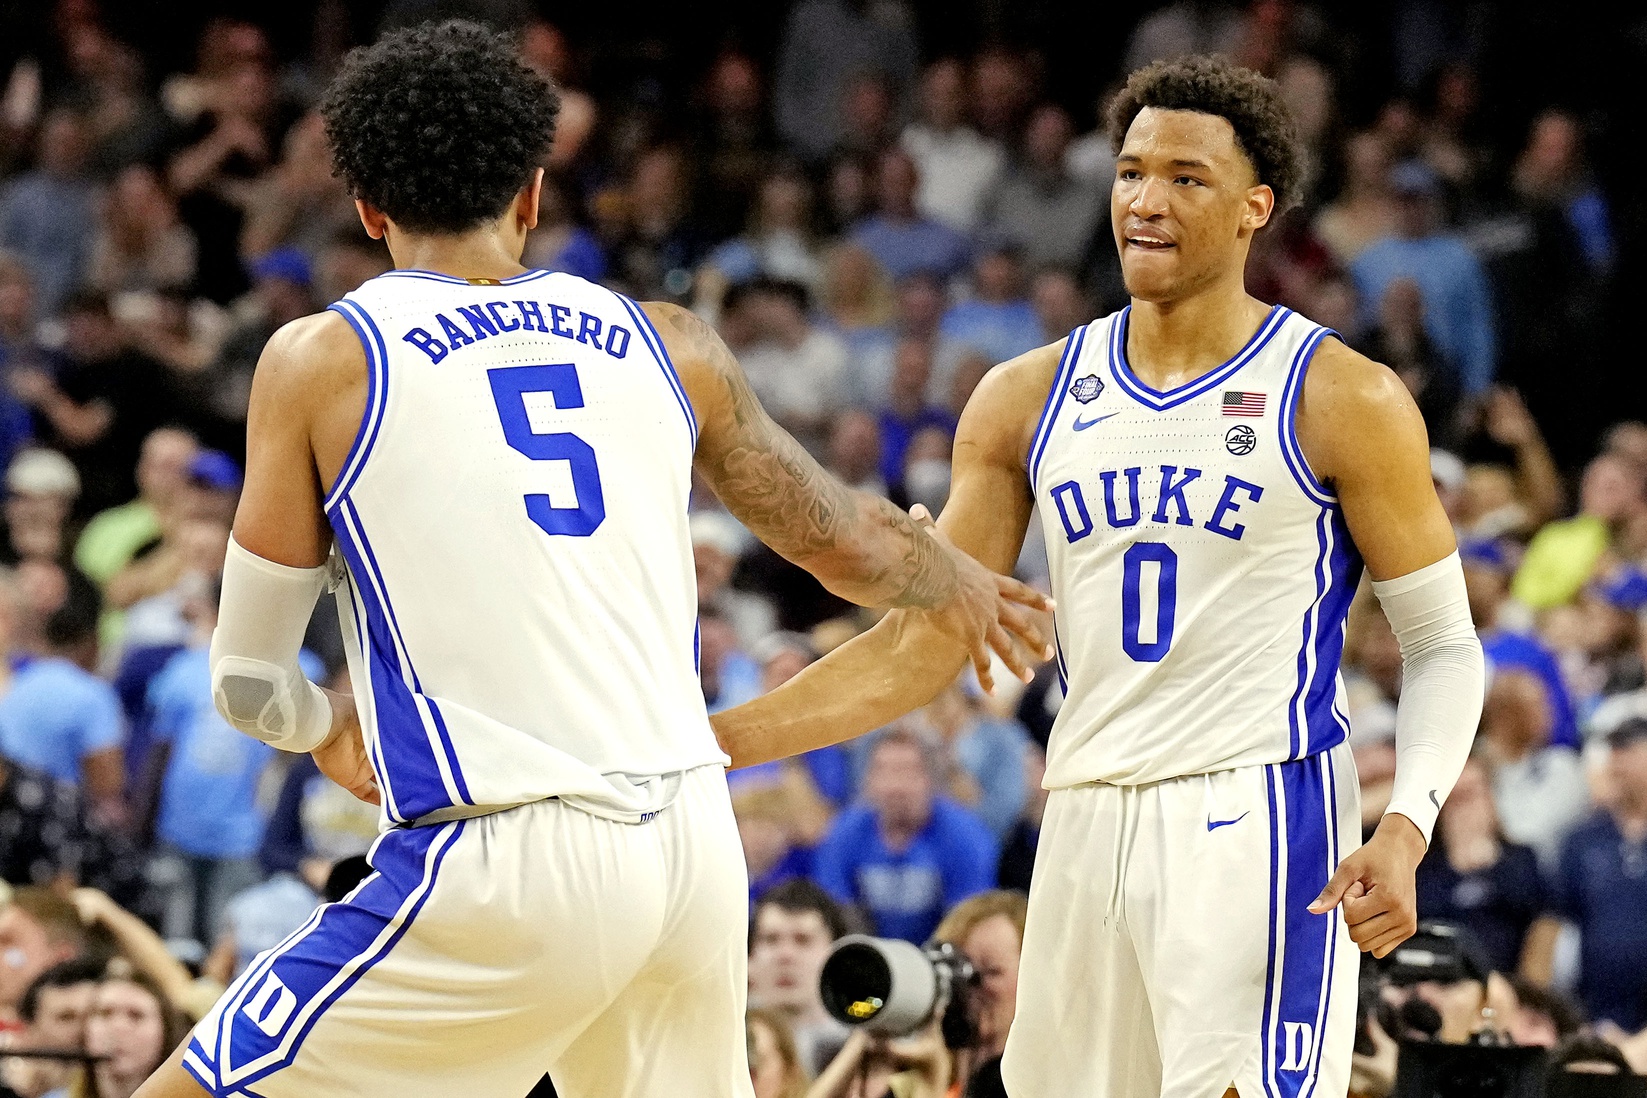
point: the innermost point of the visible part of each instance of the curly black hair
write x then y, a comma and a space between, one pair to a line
439, 126
1248, 101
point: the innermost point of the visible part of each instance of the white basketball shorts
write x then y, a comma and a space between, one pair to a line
482, 953
1169, 951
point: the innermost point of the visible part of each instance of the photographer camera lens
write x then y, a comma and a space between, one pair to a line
893, 988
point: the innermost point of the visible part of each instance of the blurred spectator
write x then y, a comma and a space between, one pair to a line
559, 243
282, 291
114, 536
101, 404
794, 926
868, 120
1364, 211
1487, 572
796, 368
1539, 786
544, 47
1451, 142
1039, 206
140, 246
131, 1029
352, 259
855, 451
774, 851
998, 321
1551, 170
1017, 863
926, 470
985, 754
260, 917
1308, 89
54, 1011
732, 142
1458, 309
848, 192
124, 125
38, 929
1185, 26
728, 675
1602, 888
1563, 555
826, 45
18, 351
958, 167
775, 1068
298, 203
41, 487
1059, 304
42, 831
1473, 877
1003, 90
718, 540
897, 235
777, 242
59, 718
140, 947
907, 412
856, 295
1400, 341
47, 215
907, 854
989, 929
919, 302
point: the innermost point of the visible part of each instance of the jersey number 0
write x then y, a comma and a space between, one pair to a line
510, 384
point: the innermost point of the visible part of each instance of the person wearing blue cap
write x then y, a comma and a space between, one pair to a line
1458, 307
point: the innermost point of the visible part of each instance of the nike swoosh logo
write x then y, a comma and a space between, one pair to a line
1083, 424
1434, 801
1214, 825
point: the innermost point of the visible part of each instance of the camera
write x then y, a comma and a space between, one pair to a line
893, 988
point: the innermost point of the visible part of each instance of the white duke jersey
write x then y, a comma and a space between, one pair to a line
1202, 572
519, 608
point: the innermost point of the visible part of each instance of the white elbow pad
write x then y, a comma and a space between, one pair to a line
1443, 680
256, 683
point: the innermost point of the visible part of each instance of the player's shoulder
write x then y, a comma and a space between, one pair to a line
1343, 384
1005, 408
313, 355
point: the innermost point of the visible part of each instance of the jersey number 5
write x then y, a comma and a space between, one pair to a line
510, 386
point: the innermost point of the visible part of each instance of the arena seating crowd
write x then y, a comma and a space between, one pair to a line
871, 223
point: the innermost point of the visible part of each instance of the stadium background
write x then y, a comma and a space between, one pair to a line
164, 204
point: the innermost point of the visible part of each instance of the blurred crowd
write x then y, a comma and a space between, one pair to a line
871, 223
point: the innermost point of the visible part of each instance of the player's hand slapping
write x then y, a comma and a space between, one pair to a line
341, 756
1376, 888
991, 613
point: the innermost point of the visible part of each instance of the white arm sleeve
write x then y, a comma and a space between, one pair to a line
256, 683
1443, 680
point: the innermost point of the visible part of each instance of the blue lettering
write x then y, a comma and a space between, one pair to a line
589, 326
615, 347
1227, 505
1068, 493
478, 321
557, 318
509, 325
529, 311
456, 336
1109, 498
428, 344
1174, 491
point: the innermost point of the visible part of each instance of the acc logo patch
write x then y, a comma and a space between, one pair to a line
1240, 440
1086, 389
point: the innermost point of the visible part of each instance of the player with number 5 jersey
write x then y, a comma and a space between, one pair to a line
1211, 471
491, 468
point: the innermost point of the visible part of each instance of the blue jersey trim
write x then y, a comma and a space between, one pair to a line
374, 746
654, 343
1291, 450
436, 276
1333, 858
1055, 401
1121, 370
377, 398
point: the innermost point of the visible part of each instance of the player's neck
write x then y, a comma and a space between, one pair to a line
1171, 343
484, 253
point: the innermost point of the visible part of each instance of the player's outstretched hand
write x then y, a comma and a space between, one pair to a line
1375, 885
341, 756
991, 613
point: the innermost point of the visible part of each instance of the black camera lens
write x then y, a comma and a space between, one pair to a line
856, 982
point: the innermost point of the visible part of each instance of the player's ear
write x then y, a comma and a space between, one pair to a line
372, 218
1260, 208
526, 207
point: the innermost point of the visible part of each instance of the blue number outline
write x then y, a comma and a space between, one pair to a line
510, 384
1166, 605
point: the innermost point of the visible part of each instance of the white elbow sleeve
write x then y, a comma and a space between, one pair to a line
256, 683
1443, 681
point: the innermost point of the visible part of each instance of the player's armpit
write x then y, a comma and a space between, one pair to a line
1365, 439
909, 657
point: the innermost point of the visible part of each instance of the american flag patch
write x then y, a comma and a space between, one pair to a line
1243, 404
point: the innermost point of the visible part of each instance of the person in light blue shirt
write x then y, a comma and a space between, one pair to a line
1458, 305
899, 238
905, 855
998, 321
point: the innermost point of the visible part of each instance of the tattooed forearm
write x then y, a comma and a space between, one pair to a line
858, 545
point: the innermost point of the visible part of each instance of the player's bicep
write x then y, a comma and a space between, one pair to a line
280, 517
1364, 434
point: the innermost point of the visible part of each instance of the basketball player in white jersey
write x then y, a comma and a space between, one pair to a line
1210, 472
491, 467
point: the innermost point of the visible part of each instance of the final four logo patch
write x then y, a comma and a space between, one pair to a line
1086, 389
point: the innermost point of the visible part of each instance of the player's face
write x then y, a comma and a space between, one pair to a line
1185, 204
